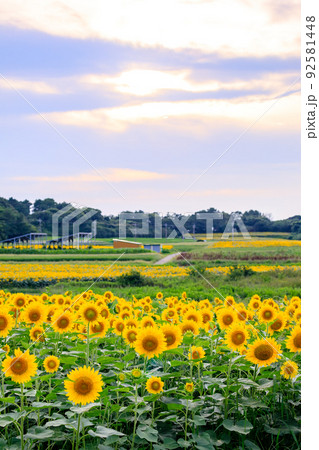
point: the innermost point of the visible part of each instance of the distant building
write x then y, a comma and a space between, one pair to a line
153, 247
119, 243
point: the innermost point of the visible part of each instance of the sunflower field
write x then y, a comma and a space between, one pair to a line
96, 371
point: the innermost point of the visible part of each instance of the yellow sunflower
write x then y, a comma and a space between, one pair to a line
19, 300
159, 295
133, 323
130, 335
297, 315
83, 385
236, 337
189, 325
51, 364
62, 321
35, 313
196, 353
6, 348
229, 301
293, 342
99, 328
154, 385
89, 312
194, 315
6, 323
105, 312
226, 317
207, 315
189, 387
279, 323
37, 334
173, 335
118, 326
289, 369
108, 295
59, 300
150, 342
242, 314
267, 313
170, 315
147, 322
263, 352
21, 368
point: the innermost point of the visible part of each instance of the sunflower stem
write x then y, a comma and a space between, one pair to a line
77, 438
135, 419
227, 388
22, 419
88, 345
185, 437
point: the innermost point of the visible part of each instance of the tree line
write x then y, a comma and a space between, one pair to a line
22, 217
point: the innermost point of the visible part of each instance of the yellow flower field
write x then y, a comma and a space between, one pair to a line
85, 271
172, 372
256, 243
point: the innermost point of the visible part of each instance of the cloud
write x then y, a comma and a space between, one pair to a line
114, 175
38, 87
235, 27
209, 114
144, 82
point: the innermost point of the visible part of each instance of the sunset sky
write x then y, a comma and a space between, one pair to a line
127, 105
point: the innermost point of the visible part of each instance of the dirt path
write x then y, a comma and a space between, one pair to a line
166, 259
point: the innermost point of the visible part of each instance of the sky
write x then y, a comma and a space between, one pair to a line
168, 106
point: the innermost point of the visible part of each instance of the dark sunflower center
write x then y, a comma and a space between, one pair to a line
264, 352
267, 315
289, 370
90, 314
276, 325
206, 318
98, 327
20, 302
171, 313
52, 364
34, 316
191, 317
170, 339
297, 340
83, 385
196, 355
3, 323
131, 336
238, 338
150, 344
104, 313
242, 315
155, 385
120, 326
63, 322
227, 319
255, 305
19, 366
